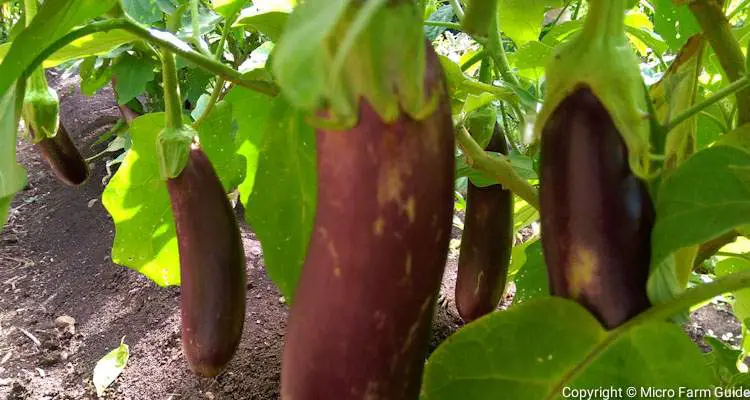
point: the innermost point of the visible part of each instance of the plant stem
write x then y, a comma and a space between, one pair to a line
211, 102
449, 25
659, 312
499, 92
496, 50
715, 25
605, 18
457, 9
477, 57
733, 87
162, 39
497, 167
219, 87
195, 27
172, 102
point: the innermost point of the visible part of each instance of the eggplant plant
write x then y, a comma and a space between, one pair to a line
357, 133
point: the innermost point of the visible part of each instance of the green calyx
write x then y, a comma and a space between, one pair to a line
41, 108
601, 58
355, 50
173, 149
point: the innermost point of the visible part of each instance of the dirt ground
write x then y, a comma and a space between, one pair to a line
55, 267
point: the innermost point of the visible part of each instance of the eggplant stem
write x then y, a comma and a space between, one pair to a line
499, 168
730, 89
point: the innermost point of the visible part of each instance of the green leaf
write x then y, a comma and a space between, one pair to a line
724, 361
54, 19
523, 165
133, 74
144, 11
739, 137
741, 306
531, 59
270, 23
137, 198
524, 214
537, 349
442, 14
223, 153
706, 197
531, 277
95, 44
12, 175
281, 207
109, 367
297, 57
480, 118
227, 8
676, 24
521, 20
251, 111
94, 78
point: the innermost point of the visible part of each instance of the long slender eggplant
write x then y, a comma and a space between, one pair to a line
596, 214
486, 244
360, 322
212, 266
63, 157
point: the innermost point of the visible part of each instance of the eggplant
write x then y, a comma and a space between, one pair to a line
212, 266
360, 323
596, 215
486, 244
63, 158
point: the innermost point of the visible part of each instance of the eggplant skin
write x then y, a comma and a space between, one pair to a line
212, 266
486, 244
359, 327
596, 216
63, 158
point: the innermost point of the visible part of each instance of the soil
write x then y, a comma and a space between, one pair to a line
64, 304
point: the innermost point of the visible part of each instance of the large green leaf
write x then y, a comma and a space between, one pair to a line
706, 197
531, 277
95, 44
143, 11
545, 348
297, 57
521, 20
675, 23
54, 19
281, 207
137, 199
227, 8
12, 175
531, 58
269, 23
251, 110
133, 74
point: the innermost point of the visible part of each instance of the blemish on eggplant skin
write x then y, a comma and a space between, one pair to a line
378, 226
411, 209
480, 278
390, 184
580, 276
416, 325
